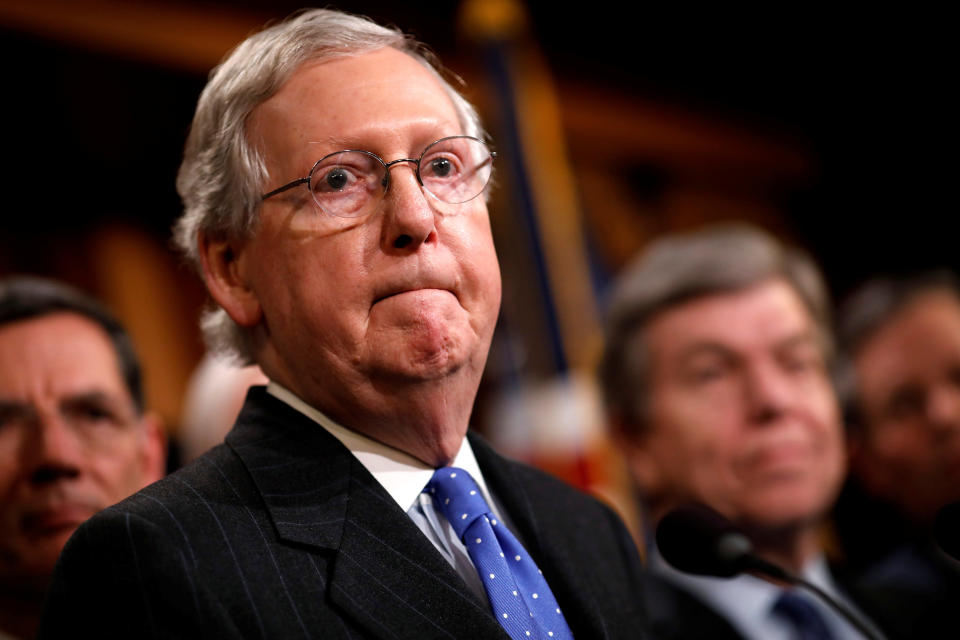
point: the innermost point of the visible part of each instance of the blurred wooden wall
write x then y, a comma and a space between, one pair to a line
641, 168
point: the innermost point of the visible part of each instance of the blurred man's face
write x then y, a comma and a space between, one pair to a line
71, 442
908, 378
742, 415
407, 294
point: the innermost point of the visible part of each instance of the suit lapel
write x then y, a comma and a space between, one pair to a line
387, 570
385, 574
542, 529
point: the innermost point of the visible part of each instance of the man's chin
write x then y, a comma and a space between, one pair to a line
424, 355
419, 369
29, 574
776, 519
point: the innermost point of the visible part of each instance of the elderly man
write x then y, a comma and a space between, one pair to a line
717, 384
900, 378
73, 435
333, 185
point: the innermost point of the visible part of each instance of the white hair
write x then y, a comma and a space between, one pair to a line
222, 174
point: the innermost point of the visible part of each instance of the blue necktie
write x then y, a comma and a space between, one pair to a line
807, 622
519, 596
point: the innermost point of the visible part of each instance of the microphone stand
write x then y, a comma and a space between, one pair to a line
759, 565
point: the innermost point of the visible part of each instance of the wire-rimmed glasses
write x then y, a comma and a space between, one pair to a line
350, 183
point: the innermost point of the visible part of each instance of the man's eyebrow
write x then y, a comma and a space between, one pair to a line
703, 347
334, 143
93, 397
712, 347
802, 338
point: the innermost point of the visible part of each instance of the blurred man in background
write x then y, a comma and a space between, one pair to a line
900, 381
716, 381
74, 437
213, 398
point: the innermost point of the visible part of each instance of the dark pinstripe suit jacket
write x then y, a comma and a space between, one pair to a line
282, 533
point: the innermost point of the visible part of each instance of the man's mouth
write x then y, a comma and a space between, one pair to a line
394, 293
51, 520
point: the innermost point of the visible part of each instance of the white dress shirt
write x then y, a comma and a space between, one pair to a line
747, 602
404, 478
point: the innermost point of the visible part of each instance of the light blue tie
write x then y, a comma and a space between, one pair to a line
519, 596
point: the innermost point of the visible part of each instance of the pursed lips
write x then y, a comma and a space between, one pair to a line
391, 291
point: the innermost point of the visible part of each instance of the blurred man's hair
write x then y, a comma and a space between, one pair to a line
223, 173
678, 268
26, 297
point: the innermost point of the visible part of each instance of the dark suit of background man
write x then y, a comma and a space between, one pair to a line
716, 379
74, 436
369, 298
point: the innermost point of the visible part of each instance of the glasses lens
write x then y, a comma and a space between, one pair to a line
456, 169
347, 183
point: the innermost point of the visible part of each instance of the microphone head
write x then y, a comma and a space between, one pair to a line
946, 530
696, 539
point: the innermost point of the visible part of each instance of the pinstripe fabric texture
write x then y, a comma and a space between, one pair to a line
282, 533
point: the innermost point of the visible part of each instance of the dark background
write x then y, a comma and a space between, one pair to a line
91, 134
94, 126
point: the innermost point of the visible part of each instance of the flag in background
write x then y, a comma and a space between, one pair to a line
545, 405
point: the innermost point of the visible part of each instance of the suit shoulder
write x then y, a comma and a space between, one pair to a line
216, 477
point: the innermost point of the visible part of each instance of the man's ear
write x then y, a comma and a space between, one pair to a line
153, 454
643, 463
222, 261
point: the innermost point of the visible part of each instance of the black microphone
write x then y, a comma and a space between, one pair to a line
696, 539
946, 530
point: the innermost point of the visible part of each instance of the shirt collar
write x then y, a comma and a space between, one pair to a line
402, 475
745, 600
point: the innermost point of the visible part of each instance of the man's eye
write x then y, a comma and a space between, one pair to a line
954, 376
441, 167
706, 375
906, 404
336, 179
90, 413
799, 364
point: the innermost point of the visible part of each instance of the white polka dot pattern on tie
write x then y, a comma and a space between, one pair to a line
516, 590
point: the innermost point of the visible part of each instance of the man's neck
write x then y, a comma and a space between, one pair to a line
791, 549
428, 421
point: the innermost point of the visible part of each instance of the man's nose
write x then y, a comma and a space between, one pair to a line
409, 217
768, 392
52, 449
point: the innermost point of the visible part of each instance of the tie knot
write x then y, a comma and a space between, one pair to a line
458, 497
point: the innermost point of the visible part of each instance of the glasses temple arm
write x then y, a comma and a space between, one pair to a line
285, 187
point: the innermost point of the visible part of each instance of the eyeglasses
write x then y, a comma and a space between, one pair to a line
350, 183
